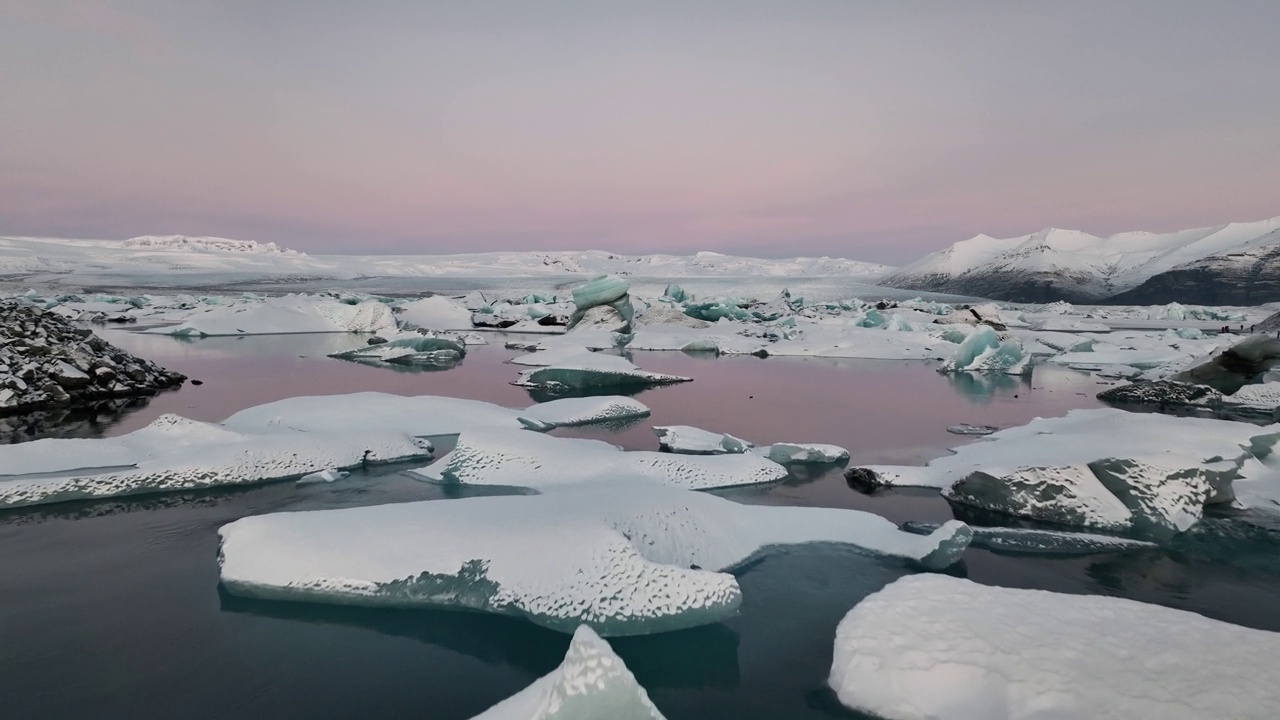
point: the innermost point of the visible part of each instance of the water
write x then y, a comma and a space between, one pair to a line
112, 609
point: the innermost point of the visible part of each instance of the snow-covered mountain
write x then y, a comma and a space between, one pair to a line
1071, 265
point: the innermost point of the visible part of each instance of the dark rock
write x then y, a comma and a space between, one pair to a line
376, 340
48, 362
862, 479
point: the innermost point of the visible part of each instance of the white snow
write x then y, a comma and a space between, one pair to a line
625, 557
1102, 468
690, 440
523, 459
175, 453
932, 647
288, 314
591, 683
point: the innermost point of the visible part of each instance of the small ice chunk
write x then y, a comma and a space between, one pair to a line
327, 475
593, 370
938, 647
967, 429
796, 453
688, 440
591, 683
523, 459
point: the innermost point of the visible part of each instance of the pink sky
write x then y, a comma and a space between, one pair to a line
878, 131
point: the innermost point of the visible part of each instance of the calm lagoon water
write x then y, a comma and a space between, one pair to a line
112, 609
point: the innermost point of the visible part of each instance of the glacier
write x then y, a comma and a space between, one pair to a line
625, 557
932, 647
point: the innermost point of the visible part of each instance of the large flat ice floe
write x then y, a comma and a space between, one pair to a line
587, 370
522, 459
592, 682
1104, 468
276, 441
429, 415
626, 558
940, 648
174, 453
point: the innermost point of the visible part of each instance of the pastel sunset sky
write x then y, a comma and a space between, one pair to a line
873, 130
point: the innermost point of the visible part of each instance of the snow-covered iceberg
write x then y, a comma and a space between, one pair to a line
590, 370
688, 440
942, 648
625, 558
522, 459
592, 682
413, 350
799, 453
174, 453
282, 315
1104, 468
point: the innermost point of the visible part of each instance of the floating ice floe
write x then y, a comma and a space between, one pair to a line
592, 682
688, 440
283, 315
967, 429
324, 476
1106, 469
428, 415
984, 351
626, 557
174, 453
1024, 541
412, 350
942, 648
522, 459
589, 370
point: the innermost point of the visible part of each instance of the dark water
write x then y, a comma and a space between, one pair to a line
112, 609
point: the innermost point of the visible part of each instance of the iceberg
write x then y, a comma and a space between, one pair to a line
795, 453
413, 350
282, 315
688, 440
590, 370
174, 453
591, 683
937, 647
984, 351
1104, 468
522, 459
626, 558
603, 291
1024, 541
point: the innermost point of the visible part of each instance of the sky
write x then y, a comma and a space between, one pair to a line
872, 130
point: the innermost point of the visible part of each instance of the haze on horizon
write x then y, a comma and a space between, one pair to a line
878, 131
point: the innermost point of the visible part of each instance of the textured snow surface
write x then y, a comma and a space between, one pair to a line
523, 459
689, 440
591, 684
288, 314
1103, 468
174, 453
932, 647
625, 557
